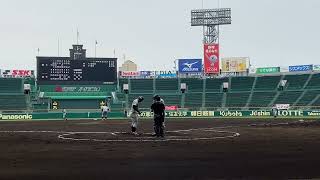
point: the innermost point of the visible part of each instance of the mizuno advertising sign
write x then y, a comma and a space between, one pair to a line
190, 65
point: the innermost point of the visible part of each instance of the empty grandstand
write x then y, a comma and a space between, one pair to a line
252, 92
12, 96
301, 91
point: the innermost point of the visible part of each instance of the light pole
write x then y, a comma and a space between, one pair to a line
175, 66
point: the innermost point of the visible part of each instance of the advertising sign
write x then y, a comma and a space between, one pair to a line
268, 70
145, 74
211, 58
171, 108
190, 65
77, 89
15, 73
283, 106
234, 64
130, 73
316, 67
165, 74
169, 114
300, 68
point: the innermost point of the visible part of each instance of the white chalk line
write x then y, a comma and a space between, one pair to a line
62, 135
167, 138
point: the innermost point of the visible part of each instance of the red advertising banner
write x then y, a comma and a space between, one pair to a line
211, 58
171, 108
130, 73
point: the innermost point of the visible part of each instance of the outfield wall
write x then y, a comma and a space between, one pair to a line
169, 114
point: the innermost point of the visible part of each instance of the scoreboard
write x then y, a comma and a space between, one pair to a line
64, 70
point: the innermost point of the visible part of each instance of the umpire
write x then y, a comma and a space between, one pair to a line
158, 109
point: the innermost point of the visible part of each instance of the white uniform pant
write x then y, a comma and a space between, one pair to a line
134, 119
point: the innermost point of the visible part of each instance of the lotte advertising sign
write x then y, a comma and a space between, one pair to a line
211, 58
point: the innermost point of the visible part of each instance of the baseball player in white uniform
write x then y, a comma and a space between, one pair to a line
134, 114
64, 114
104, 112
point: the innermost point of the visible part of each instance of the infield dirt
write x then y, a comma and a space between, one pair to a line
260, 152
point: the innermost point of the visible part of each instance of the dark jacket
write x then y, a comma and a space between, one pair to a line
158, 108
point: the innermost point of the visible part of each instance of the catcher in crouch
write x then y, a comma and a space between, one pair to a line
158, 109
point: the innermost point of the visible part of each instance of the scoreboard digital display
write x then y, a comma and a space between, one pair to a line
64, 70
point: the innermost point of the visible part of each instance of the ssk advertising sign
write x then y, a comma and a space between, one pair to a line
211, 59
15, 73
190, 65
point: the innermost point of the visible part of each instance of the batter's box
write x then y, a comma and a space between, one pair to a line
177, 135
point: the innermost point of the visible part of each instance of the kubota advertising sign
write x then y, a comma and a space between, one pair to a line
211, 58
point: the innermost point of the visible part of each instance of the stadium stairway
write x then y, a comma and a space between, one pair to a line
251, 93
314, 82
315, 104
308, 97
295, 82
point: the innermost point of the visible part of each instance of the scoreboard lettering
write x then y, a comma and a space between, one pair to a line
87, 71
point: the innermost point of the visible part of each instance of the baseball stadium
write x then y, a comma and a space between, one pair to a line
223, 118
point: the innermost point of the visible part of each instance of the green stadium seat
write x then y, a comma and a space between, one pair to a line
193, 85
11, 85
141, 85
237, 99
261, 99
121, 96
171, 99
296, 82
166, 85
267, 83
314, 82
316, 104
214, 100
288, 97
193, 100
308, 97
13, 102
215, 85
241, 83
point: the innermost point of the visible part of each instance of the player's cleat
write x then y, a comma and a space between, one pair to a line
135, 133
153, 134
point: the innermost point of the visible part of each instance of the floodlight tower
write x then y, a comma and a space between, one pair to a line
210, 19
